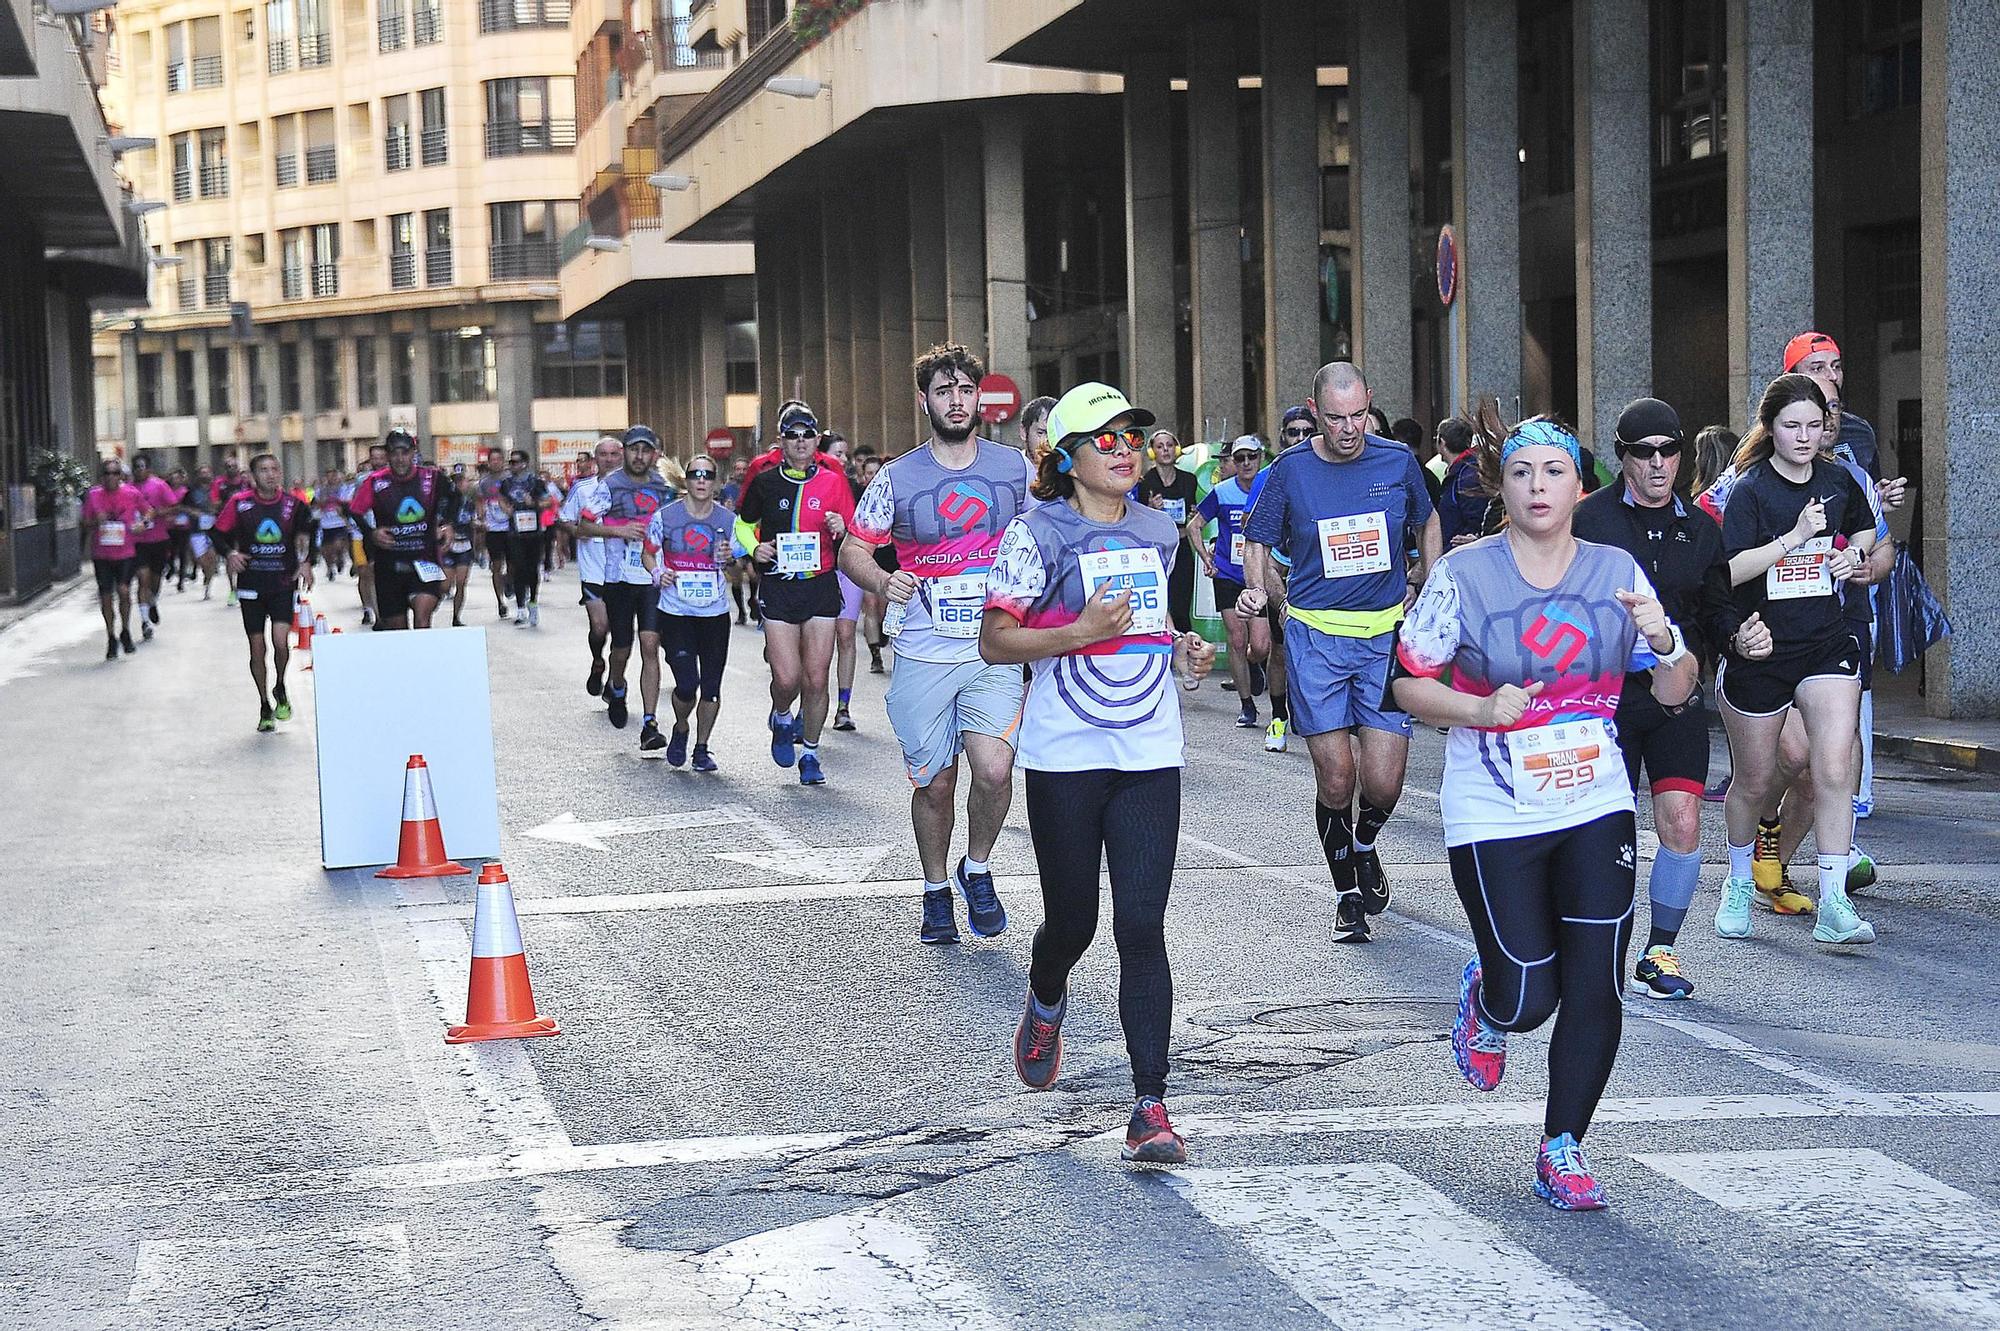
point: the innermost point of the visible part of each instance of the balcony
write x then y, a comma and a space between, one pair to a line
325, 280
392, 32
186, 293
215, 289
515, 261
183, 184
396, 149
322, 164
522, 138
208, 71
437, 266
292, 282
177, 76
508, 15
434, 145
287, 168
429, 27
278, 56
215, 181
403, 270
315, 50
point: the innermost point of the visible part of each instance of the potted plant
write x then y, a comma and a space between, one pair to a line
812, 20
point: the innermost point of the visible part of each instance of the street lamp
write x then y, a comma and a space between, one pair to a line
72, 8
140, 207
128, 143
608, 244
804, 89
668, 180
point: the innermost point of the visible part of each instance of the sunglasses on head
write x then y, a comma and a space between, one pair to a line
1130, 440
1647, 452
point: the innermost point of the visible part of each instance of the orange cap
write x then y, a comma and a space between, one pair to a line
1807, 344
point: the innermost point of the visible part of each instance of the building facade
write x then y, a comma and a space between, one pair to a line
365, 207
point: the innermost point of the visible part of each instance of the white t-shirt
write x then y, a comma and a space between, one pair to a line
588, 501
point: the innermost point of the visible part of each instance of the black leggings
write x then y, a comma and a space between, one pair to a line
1130, 820
1552, 913
524, 566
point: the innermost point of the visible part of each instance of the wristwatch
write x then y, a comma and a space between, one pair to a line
1680, 649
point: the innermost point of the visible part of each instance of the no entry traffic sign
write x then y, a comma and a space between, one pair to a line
720, 442
999, 399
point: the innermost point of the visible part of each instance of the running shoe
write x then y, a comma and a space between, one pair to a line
1038, 1045
367, 617
677, 747
1368, 877
1150, 1139
1563, 1178
535, 615
983, 910
1274, 737
1732, 916
153, 612
1860, 870
1863, 808
784, 751
145, 629
1716, 793
940, 923
111, 649
1767, 868
125, 641
283, 711
842, 720
593, 684
232, 601
614, 707
520, 619
1350, 918
265, 722
809, 770
207, 591
703, 761
1658, 975
1257, 680
1479, 1050
1838, 922
1787, 900
874, 658
652, 744
1247, 718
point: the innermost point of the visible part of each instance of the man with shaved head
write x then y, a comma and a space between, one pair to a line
588, 501
1343, 509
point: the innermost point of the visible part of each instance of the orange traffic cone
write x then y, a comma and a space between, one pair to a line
500, 1005
420, 849
302, 626
318, 627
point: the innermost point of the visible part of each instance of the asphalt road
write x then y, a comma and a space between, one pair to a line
228, 1103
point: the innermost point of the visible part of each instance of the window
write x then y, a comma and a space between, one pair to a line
580, 359
429, 25
177, 57
219, 400
215, 271
315, 34
186, 280
739, 356
326, 259
365, 382
402, 368
392, 25
326, 374
206, 40
292, 264
402, 251
526, 238
462, 367
437, 247
1689, 48
1884, 44
285, 159
183, 157
507, 15
255, 364
530, 115
322, 148
184, 381
214, 146
288, 376
432, 102
278, 36
1548, 116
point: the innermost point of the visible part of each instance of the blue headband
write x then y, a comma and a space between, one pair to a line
1547, 434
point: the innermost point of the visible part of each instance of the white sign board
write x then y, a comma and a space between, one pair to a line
380, 697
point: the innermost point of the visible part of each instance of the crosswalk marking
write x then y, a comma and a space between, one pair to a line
1900, 1226
1430, 1264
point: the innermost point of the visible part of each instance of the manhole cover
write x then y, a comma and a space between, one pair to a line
1326, 1016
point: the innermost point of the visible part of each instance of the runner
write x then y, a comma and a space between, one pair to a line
1680, 549
1077, 591
1035, 428
1796, 526
1817, 354
266, 536
1297, 429
1249, 632
331, 519
520, 495
110, 513
180, 525
494, 530
151, 538
1538, 630
873, 604
364, 571
845, 627
943, 506
1172, 491
1345, 509
405, 510
742, 573
688, 544
589, 500
631, 496
551, 516
457, 557
792, 515
198, 504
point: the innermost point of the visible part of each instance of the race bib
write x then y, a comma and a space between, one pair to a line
1352, 546
427, 571
527, 522
1560, 765
207, 521
1175, 509
698, 586
798, 552
635, 556
1803, 573
1236, 549
958, 604
111, 533
461, 546
1107, 571
246, 593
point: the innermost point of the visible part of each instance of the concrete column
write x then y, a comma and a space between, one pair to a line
929, 318
170, 376
128, 379
865, 326
837, 301
712, 354
812, 302
1770, 164
1379, 102
1006, 243
421, 380
1152, 323
203, 408
791, 310
1614, 215
1291, 207
1961, 280
964, 209
768, 369
514, 366
899, 429
1485, 128
1215, 207
309, 404
265, 353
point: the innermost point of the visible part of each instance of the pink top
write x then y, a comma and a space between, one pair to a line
116, 515
157, 495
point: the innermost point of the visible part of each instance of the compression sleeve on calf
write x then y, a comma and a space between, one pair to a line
1672, 886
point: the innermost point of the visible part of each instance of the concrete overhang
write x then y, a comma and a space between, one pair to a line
892, 64
1102, 35
601, 284
17, 51
56, 170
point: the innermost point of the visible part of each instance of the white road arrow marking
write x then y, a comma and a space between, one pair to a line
831, 864
566, 827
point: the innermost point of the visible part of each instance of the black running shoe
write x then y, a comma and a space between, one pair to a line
594, 685
1350, 921
842, 720
614, 706
111, 649
153, 612
125, 641
704, 761
367, 617
1257, 680
983, 910
1368, 877
940, 922
677, 748
1038, 1044
652, 744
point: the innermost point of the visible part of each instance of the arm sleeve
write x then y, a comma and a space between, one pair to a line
875, 515
1017, 579
1430, 634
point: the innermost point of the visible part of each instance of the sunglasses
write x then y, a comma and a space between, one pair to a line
701, 475
1111, 442
1647, 452
1298, 432
798, 434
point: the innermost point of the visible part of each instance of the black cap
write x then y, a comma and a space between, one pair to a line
795, 416
1646, 418
399, 438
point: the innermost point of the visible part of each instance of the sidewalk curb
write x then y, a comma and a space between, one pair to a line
55, 594
1940, 752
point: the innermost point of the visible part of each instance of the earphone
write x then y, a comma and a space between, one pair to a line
1064, 463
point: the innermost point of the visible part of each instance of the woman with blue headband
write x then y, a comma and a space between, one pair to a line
1538, 630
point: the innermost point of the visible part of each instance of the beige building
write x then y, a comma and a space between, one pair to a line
365, 205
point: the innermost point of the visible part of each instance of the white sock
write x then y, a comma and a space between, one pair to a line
1832, 876
929, 886
1739, 860
973, 866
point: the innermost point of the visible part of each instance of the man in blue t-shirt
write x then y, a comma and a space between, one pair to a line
1342, 510
1249, 635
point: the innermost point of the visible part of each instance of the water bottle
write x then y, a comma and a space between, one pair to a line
892, 618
